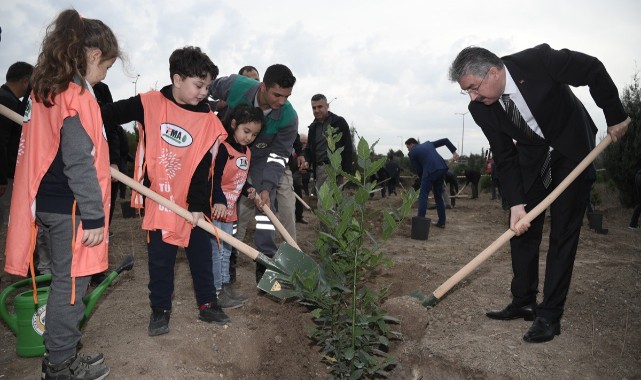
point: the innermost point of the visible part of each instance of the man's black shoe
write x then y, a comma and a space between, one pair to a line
510, 312
302, 221
439, 225
542, 330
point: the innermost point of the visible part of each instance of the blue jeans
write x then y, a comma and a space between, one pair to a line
220, 255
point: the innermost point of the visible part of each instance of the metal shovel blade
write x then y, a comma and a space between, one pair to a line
289, 262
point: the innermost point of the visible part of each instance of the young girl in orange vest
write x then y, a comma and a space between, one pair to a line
179, 136
62, 172
230, 181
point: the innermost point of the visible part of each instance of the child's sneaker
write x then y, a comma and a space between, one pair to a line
226, 302
90, 359
159, 322
75, 368
211, 312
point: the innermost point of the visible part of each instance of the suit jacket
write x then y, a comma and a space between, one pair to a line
544, 76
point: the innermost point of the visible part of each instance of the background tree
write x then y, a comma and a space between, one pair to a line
623, 159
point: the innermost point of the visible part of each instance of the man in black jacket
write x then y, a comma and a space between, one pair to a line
316, 153
15, 88
524, 105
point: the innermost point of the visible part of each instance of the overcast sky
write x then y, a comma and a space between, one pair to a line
385, 62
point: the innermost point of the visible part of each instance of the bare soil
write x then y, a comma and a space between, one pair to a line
600, 330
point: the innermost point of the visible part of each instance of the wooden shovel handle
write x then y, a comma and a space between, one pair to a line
460, 191
529, 217
279, 226
303, 202
244, 248
11, 114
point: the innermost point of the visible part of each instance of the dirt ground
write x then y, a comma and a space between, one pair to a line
600, 330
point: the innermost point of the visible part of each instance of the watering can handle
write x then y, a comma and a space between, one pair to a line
12, 319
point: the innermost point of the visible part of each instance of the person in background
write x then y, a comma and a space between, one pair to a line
430, 167
316, 154
15, 87
249, 72
452, 182
525, 106
64, 170
394, 173
305, 175
472, 176
297, 176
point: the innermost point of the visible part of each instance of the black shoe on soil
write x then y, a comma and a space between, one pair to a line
159, 322
231, 293
74, 368
233, 259
211, 312
226, 302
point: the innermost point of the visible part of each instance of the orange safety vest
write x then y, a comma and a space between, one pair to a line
234, 178
176, 141
38, 147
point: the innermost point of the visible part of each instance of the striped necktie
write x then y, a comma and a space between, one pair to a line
517, 119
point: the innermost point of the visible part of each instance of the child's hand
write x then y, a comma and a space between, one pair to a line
93, 237
251, 193
195, 217
218, 211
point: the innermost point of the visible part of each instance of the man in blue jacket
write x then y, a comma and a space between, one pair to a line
431, 169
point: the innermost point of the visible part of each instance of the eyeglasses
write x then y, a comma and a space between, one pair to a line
476, 89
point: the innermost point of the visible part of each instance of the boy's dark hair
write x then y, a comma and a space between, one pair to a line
243, 113
318, 97
279, 75
411, 140
246, 68
19, 71
190, 61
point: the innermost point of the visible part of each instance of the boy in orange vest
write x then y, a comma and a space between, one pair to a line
179, 136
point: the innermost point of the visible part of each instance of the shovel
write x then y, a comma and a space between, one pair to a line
433, 298
287, 262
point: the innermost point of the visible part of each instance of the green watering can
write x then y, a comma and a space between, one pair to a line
28, 319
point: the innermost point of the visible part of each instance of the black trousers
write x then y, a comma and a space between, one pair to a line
162, 259
565, 225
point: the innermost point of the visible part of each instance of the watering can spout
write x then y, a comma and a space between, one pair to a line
92, 298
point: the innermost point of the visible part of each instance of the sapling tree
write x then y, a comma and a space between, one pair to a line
351, 328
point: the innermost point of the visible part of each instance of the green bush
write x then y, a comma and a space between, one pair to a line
623, 158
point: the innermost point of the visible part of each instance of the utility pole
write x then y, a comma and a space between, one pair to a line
463, 131
135, 84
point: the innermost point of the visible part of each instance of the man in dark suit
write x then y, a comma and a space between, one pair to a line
548, 117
